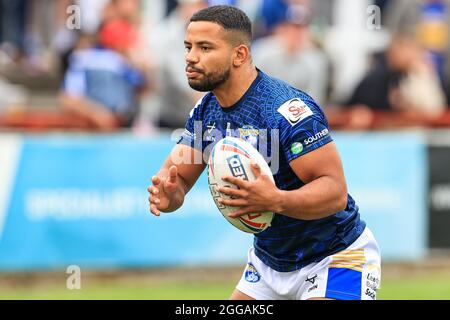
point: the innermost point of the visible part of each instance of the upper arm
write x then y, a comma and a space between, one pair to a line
189, 162
324, 161
307, 143
74, 82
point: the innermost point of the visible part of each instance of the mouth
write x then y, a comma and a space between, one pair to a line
192, 73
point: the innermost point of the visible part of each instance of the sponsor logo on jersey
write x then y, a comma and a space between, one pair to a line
295, 110
209, 134
372, 279
312, 279
296, 148
211, 127
371, 294
317, 137
251, 275
314, 287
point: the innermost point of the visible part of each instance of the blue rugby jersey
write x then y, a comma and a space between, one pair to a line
274, 115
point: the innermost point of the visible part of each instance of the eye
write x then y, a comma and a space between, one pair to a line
187, 49
205, 48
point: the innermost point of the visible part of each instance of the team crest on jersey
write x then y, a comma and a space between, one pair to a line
295, 110
251, 275
249, 134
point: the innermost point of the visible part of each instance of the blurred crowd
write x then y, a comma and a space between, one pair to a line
115, 64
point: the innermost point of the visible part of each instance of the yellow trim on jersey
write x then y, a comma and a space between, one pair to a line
349, 259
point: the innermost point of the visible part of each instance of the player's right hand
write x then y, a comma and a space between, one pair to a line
162, 190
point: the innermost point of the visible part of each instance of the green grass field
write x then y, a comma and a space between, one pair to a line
397, 286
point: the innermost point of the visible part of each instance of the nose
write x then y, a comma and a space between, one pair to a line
191, 57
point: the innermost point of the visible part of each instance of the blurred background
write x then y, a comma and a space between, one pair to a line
92, 98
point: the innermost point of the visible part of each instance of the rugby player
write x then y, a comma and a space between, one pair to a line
317, 246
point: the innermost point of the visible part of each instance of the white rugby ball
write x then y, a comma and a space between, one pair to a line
232, 157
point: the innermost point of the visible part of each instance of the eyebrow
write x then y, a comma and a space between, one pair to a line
199, 43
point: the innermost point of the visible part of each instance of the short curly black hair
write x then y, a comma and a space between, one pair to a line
229, 17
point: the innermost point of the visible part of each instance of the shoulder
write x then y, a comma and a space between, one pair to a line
286, 105
197, 112
96, 58
273, 90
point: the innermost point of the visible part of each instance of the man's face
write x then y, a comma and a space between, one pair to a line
208, 56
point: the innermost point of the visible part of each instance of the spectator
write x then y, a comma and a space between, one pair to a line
12, 28
349, 43
102, 85
128, 10
402, 80
174, 95
290, 53
429, 22
96, 13
64, 39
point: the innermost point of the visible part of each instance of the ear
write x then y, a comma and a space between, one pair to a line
241, 55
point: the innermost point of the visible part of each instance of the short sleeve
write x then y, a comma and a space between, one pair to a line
303, 128
75, 83
193, 128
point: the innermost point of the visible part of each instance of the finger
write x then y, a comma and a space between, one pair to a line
154, 200
232, 202
153, 190
243, 210
256, 169
238, 213
156, 180
154, 210
173, 173
242, 184
237, 193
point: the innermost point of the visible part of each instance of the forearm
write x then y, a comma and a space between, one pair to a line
89, 110
77, 105
317, 199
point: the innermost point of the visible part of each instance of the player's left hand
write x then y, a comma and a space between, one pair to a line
252, 196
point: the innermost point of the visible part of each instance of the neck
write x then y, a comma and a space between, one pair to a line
231, 91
